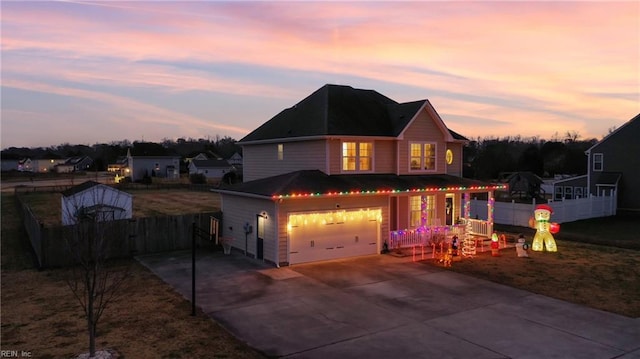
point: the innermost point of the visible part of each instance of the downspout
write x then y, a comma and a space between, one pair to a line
277, 229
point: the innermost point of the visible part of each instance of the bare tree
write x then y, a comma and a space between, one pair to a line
94, 280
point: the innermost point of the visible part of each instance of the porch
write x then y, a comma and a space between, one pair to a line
440, 236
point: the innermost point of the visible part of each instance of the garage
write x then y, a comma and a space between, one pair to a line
333, 234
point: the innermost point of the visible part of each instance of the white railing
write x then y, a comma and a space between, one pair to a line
424, 236
479, 227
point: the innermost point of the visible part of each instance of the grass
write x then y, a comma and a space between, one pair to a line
40, 315
601, 277
146, 203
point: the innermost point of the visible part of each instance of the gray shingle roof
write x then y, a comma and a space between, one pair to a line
341, 111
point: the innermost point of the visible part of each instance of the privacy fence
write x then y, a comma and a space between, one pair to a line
128, 237
518, 214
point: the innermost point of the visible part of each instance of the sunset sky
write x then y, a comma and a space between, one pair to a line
94, 72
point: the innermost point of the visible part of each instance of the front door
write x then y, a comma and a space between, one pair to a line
449, 209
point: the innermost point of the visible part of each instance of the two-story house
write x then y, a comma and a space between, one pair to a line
614, 165
344, 172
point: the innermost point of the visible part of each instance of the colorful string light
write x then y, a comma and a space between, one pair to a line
387, 191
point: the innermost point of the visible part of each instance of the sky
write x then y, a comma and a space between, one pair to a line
84, 72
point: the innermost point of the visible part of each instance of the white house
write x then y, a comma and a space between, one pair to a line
212, 169
95, 199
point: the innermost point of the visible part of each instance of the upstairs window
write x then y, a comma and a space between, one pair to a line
598, 162
357, 156
280, 151
422, 156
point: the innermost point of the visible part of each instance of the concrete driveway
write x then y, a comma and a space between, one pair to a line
388, 307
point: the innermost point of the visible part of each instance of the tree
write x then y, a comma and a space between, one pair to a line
94, 280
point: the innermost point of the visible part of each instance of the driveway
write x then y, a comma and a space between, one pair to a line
388, 307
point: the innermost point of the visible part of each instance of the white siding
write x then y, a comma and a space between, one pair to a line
237, 211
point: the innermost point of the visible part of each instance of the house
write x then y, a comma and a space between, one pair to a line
74, 164
235, 160
614, 166
211, 169
152, 166
45, 164
95, 199
25, 165
348, 172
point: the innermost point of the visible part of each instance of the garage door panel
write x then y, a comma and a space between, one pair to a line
312, 239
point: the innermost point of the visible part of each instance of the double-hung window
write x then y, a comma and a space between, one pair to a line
357, 156
598, 161
421, 211
422, 156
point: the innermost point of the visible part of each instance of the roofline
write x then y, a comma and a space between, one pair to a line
241, 194
588, 151
309, 138
279, 197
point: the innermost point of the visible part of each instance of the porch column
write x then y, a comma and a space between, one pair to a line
491, 202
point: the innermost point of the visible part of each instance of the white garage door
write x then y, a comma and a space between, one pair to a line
334, 234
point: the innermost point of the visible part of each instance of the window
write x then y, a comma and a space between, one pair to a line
280, 151
422, 156
357, 156
421, 211
598, 160
568, 192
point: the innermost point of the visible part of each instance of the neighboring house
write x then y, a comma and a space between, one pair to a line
120, 167
343, 173
614, 165
153, 166
25, 165
235, 160
74, 164
95, 199
211, 169
45, 164
569, 188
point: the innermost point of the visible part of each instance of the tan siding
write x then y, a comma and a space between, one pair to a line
455, 168
329, 204
236, 211
385, 156
334, 156
261, 161
422, 129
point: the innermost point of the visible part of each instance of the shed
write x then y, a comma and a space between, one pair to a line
95, 199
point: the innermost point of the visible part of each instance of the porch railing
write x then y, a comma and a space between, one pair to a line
424, 236
428, 236
478, 227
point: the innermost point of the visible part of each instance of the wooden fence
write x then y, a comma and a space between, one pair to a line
518, 214
131, 236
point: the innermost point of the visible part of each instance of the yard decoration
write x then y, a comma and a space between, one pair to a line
522, 247
543, 239
495, 245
